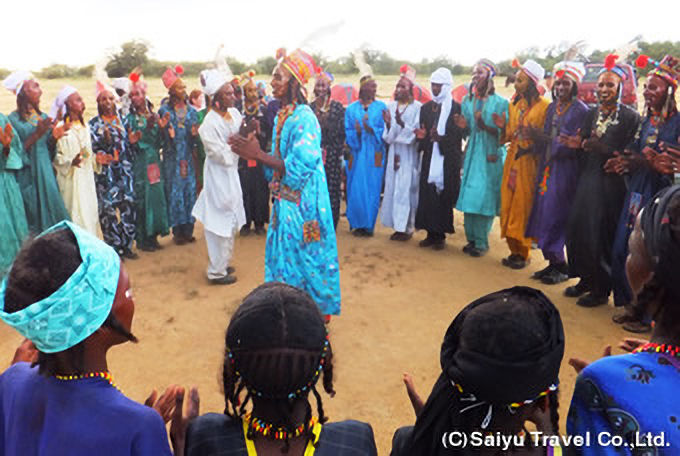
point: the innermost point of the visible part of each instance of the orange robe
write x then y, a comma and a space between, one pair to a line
519, 176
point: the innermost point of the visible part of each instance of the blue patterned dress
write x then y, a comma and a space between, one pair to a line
178, 169
301, 245
627, 396
115, 191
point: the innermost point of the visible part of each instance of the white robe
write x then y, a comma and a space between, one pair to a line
220, 205
400, 199
77, 184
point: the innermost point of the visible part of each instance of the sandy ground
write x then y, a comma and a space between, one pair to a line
398, 301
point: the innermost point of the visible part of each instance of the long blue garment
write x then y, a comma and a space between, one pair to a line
480, 190
43, 202
13, 225
115, 183
301, 246
624, 395
366, 164
178, 165
643, 184
43, 416
557, 180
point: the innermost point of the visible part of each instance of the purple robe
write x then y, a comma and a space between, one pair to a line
557, 180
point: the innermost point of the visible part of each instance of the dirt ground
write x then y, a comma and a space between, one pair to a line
397, 302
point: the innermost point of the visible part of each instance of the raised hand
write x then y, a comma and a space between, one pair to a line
134, 137
248, 148
164, 121
165, 405
499, 121
77, 160
43, 127
421, 132
572, 142
387, 117
630, 344
460, 121
180, 420
416, 400
6, 135
579, 364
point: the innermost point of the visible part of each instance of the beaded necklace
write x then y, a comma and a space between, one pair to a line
276, 432
604, 122
552, 387
103, 375
672, 350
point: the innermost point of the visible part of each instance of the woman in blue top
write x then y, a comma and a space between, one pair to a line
69, 295
631, 395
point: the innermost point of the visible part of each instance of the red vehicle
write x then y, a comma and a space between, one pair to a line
587, 89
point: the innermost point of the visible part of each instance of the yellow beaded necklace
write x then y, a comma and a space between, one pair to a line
104, 375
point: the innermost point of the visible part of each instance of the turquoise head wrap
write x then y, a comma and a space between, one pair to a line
77, 309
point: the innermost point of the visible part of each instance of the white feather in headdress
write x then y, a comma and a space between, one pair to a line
101, 77
221, 63
360, 62
575, 51
627, 49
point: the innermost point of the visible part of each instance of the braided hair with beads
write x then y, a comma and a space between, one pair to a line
277, 349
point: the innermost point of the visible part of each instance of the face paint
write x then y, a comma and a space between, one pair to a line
656, 92
563, 89
607, 88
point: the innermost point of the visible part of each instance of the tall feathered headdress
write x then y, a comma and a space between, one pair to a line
365, 70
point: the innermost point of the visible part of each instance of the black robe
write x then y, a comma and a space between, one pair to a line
253, 183
597, 205
435, 210
332, 125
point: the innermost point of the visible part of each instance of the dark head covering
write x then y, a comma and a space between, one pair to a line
659, 226
503, 348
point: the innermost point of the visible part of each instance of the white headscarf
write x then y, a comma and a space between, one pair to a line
123, 84
444, 99
15, 81
534, 70
212, 81
60, 102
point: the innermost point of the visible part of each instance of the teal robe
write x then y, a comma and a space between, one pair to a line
13, 226
42, 199
480, 190
150, 202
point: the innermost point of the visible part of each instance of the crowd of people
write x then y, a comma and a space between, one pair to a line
69, 294
596, 182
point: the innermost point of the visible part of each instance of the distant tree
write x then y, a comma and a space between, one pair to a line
132, 54
265, 65
85, 72
57, 71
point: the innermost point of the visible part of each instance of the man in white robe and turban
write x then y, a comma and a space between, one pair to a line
220, 205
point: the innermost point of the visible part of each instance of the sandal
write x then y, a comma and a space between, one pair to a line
637, 327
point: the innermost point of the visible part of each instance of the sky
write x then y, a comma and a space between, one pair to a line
81, 32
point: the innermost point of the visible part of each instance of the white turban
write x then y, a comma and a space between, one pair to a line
15, 81
212, 81
444, 99
572, 70
123, 84
534, 70
442, 76
60, 101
